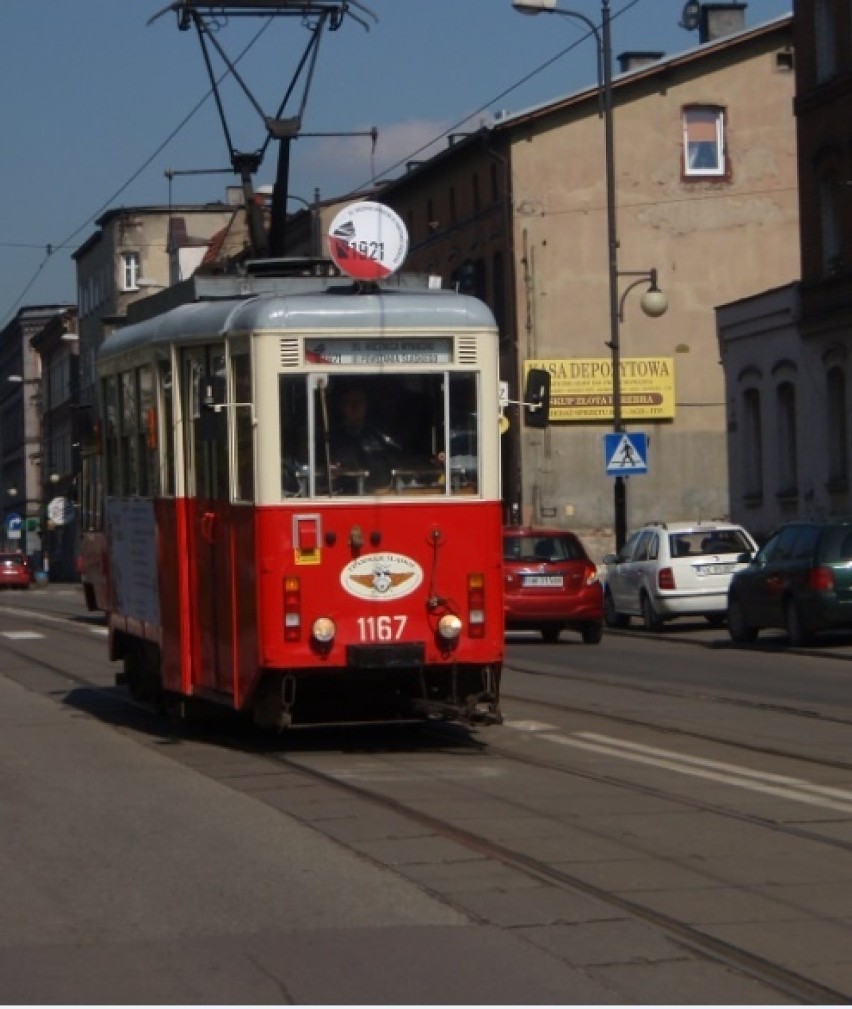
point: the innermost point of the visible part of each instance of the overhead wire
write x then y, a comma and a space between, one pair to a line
51, 249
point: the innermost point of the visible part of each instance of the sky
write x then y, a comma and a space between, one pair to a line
102, 98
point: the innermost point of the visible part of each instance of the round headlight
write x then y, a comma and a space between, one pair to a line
323, 630
449, 627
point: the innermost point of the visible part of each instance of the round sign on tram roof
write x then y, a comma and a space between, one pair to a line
368, 241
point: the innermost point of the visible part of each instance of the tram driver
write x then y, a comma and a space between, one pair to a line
364, 454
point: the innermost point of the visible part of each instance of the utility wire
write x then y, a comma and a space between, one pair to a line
51, 249
493, 101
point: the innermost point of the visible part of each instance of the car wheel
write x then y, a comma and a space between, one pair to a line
592, 633
650, 617
550, 633
798, 631
740, 631
611, 615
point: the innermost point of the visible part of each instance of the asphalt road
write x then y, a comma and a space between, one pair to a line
630, 836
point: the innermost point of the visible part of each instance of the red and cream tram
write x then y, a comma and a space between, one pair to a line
270, 555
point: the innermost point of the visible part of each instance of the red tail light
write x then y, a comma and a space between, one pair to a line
821, 579
292, 609
476, 606
590, 575
666, 579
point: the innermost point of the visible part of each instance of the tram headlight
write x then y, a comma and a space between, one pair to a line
323, 630
449, 627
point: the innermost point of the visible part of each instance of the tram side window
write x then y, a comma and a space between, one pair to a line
244, 428
166, 433
147, 434
128, 433
109, 399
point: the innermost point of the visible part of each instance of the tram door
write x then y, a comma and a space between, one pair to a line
207, 485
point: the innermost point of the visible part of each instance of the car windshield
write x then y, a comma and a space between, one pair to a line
708, 541
541, 548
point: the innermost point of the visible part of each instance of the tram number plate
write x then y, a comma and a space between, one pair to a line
714, 569
383, 628
543, 581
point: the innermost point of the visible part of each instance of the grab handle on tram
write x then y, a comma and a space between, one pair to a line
208, 520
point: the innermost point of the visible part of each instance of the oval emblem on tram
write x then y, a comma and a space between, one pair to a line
381, 576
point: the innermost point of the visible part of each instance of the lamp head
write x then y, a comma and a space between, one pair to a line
533, 6
654, 302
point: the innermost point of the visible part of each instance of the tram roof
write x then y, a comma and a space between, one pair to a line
334, 309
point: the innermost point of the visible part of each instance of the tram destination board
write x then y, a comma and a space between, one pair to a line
418, 350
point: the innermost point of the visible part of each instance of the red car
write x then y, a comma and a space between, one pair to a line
550, 584
15, 571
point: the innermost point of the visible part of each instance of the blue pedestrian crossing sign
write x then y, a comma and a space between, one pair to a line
625, 454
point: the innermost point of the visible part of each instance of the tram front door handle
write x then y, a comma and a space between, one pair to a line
208, 521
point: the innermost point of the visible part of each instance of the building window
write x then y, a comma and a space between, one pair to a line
836, 429
704, 141
829, 220
788, 462
130, 271
752, 445
825, 40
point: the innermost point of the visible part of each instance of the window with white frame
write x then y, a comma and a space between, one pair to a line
130, 271
704, 140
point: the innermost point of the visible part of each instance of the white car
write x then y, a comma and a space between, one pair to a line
674, 569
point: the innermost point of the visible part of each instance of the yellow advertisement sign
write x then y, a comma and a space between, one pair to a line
581, 388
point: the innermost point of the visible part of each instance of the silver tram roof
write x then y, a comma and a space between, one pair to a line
334, 308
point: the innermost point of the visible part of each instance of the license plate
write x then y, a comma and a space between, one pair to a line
714, 569
543, 581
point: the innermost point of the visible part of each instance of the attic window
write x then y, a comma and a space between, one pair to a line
704, 141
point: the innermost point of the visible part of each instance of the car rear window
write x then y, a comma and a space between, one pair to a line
708, 541
542, 548
837, 543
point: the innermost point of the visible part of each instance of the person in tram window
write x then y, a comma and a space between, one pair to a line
364, 454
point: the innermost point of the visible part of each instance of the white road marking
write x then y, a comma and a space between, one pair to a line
21, 635
796, 789
528, 725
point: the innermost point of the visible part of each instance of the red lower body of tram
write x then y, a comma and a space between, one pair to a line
316, 615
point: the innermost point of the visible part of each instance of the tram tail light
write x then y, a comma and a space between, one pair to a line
476, 605
292, 609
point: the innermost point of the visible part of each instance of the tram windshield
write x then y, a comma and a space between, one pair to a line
396, 433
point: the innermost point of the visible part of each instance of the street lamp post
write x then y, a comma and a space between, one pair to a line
654, 302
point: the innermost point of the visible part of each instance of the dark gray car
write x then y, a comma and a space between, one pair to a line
799, 581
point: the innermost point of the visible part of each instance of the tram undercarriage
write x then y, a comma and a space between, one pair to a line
291, 699
467, 694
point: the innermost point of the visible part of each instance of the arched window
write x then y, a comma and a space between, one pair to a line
788, 461
829, 215
836, 428
752, 445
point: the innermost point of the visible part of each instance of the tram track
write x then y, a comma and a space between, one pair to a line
112, 707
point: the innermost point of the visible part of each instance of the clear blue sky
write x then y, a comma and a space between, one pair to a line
98, 104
